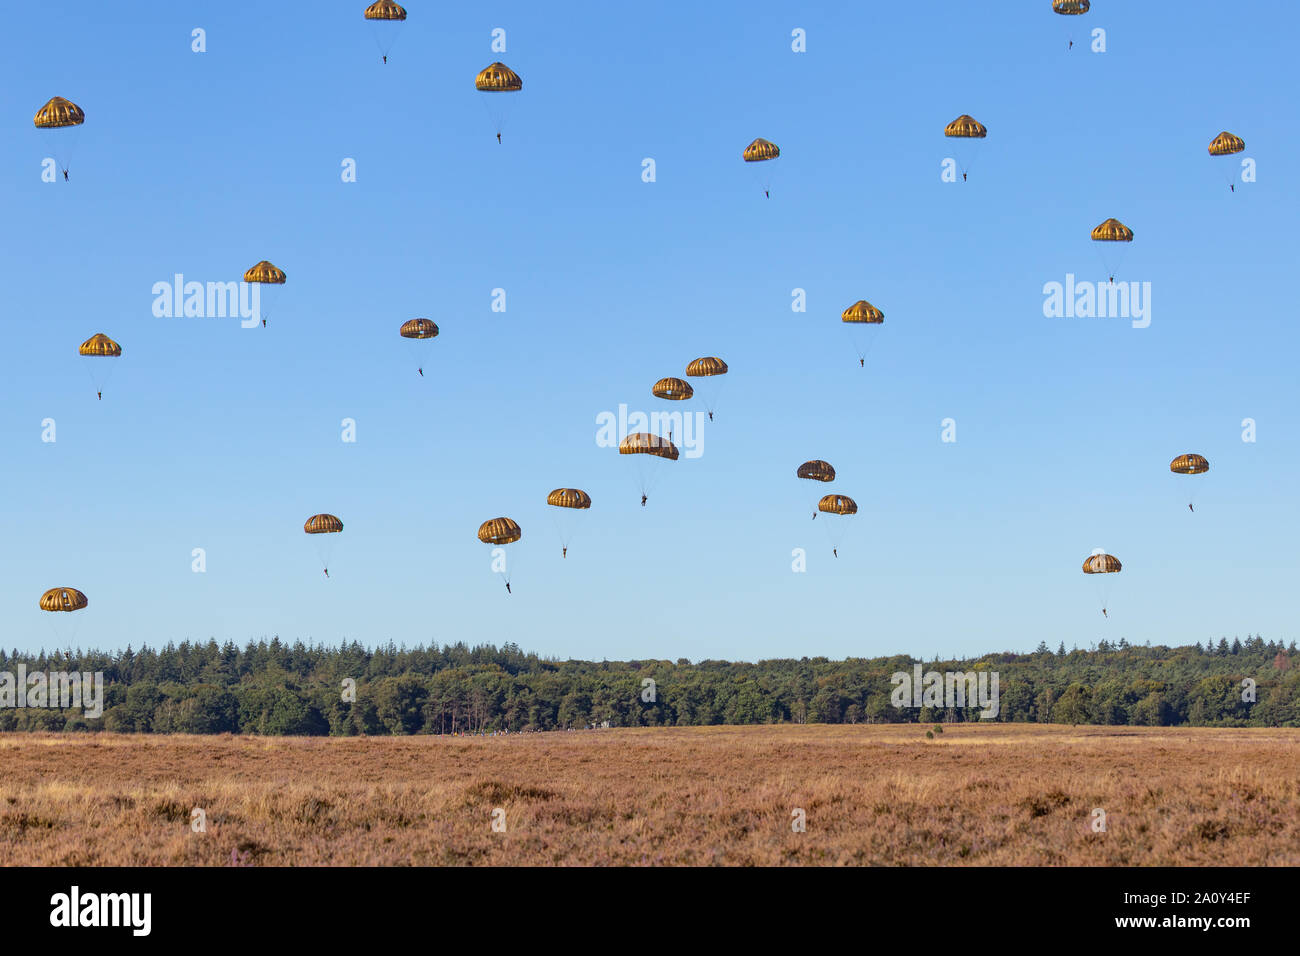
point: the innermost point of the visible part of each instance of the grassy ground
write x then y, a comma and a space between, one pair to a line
976, 794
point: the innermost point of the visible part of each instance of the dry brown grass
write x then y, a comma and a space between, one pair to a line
1000, 794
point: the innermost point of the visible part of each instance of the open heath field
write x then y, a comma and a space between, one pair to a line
869, 795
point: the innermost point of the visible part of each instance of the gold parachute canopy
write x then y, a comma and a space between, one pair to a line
385, 10
264, 271
673, 389
642, 443
569, 498
862, 311
704, 367
1100, 562
965, 127
100, 344
1112, 230
498, 78
838, 505
63, 599
760, 150
499, 531
418, 329
1071, 8
322, 524
59, 112
816, 470
1189, 465
1225, 144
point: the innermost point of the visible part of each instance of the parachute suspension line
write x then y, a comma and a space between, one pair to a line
715, 396
1108, 266
498, 120
378, 28
65, 634
863, 338
99, 382
508, 556
565, 534
72, 146
60, 144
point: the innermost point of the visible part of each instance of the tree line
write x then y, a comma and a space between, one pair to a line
274, 688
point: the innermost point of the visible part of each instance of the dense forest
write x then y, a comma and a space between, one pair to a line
276, 688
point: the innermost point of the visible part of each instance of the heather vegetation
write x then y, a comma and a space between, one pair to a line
817, 794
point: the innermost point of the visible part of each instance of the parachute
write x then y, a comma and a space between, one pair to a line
1225, 144
672, 389
1112, 230
63, 599
1189, 465
418, 329
265, 272
646, 447
641, 443
760, 151
59, 114
859, 317
570, 502
569, 498
323, 525
1071, 8
704, 367
962, 128
385, 10
836, 505
384, 16
497, 78
499, 532
100, 346
815, 470
1099, 562
862, 311
709, 367
266, 277
965, 127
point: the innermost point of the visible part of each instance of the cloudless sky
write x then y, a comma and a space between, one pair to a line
217, 437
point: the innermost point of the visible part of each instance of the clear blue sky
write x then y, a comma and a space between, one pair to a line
214, 436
